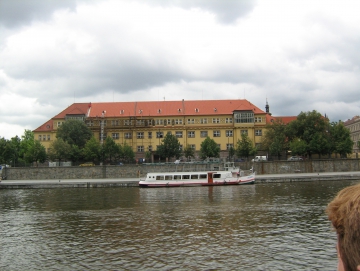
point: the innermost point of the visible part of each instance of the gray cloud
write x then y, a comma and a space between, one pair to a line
130, 51
227, 11
14, 13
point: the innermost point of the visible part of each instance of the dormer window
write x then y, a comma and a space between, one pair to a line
121, 112
159, 111
196, 110
140, 111
215, 109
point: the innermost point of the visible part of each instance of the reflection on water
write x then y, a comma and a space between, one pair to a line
257, 227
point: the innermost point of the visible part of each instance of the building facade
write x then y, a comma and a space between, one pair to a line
143, 125
354, 127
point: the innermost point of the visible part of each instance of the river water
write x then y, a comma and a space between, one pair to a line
273, 226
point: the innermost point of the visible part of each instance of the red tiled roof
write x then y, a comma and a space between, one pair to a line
172, 108
284, 119
46, 127
161, 108
351, 121
74, 109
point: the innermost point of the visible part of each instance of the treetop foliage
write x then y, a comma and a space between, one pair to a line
310, 133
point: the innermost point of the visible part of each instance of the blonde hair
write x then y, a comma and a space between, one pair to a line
344, 213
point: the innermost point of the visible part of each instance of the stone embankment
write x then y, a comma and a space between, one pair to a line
129, 175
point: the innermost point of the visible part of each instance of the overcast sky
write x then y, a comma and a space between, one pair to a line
301, 55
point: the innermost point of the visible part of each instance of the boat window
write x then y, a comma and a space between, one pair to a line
160, 177
185, 177
177, 177
168, 177
194, 177
217, 176
203, 176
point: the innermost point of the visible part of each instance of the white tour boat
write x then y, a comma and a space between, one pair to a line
230, 175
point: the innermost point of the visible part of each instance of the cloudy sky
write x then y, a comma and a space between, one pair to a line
300, 55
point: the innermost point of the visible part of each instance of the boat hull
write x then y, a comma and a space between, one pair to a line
180, 183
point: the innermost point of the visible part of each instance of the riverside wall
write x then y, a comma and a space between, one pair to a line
139, 171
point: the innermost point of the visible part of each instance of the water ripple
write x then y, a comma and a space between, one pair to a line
259, 227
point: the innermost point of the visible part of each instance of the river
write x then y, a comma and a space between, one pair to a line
272, 226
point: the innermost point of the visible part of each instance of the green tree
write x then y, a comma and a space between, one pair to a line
27, 140
310, 127
60, 150
170, 147
127, 153
8, 152
209, 148
5, 151
76, 154
110, 149
341, 139
275, 140
92, 150
35, 153
189, 152
231, 152
148, 156
244, 147
74, 132
298, 146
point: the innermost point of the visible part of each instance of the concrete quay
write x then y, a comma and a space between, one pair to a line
133, 182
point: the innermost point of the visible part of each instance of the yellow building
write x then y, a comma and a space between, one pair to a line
354, 127
143, 125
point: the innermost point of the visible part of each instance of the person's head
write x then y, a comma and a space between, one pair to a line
344, 213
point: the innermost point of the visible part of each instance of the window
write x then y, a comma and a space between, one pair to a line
204, 121
178, 121
191, 134
216, 133
150, 148
149, 134
244, 117
228, 120
128, 135
203, 133
215, 120
139, 135
59, 123
90, 123
159, 122
190, 121
179, 134
258, 132
115, 135
128, 122
258, 119
48, 137
103, 137
115, 123
40, 137
140, 148
229, 133
159, 134
192, 146
103, 122
140, 122
181, 147
168, 122
44, 137
228, 146
244, 132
